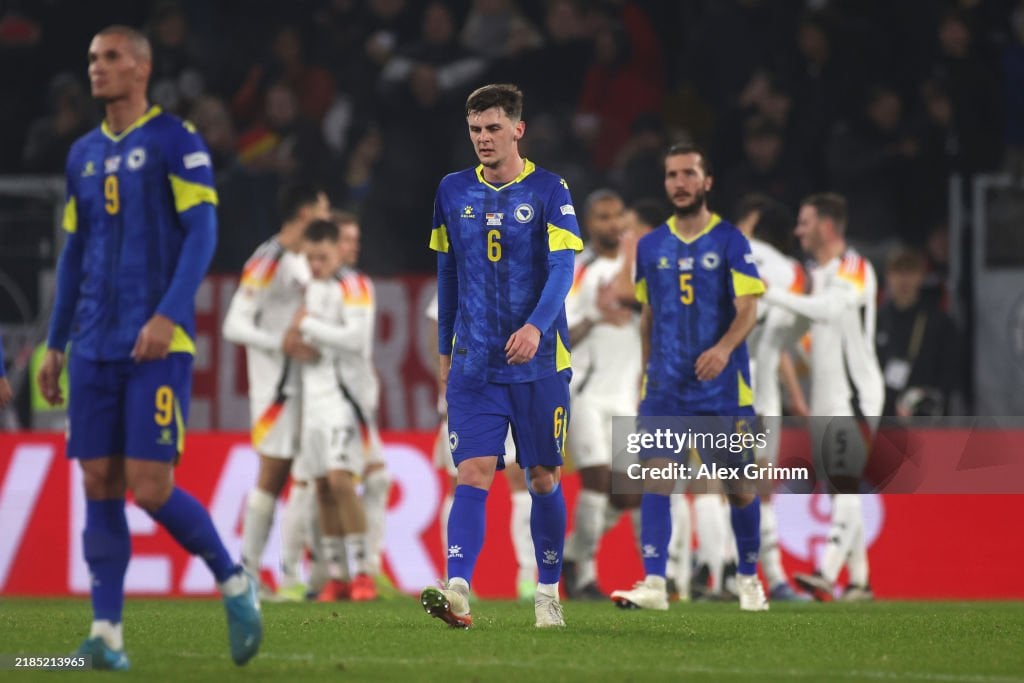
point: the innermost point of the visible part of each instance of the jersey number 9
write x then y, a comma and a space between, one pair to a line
110, 192
494, 245
686, 288
164, 406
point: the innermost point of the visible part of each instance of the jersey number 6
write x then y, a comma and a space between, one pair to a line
493, 245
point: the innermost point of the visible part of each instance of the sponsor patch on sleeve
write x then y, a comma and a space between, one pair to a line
196, 159
567, 210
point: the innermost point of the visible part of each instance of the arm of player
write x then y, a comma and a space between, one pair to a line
349, 336
646, 324
791, 383
711, 363
200, 225
825, 307
69, 275
240, 322
521, 347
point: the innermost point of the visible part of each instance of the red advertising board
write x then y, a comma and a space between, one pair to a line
921, 546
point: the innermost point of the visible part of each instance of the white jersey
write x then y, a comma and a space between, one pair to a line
606, 362
262, 309
341, 324
842, 311
777, 328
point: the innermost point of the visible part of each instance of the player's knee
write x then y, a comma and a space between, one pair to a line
102, 480
543, 480
741, 500
343, 484
151, 494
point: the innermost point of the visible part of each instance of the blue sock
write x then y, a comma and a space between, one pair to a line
108, 547
746, 527
466, 523
655, 532
547, 526
189, 523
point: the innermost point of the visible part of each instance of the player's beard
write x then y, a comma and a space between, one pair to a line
693, 208
608, 242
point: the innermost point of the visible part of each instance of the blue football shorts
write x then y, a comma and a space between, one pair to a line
728, 424
121, 407
479, 417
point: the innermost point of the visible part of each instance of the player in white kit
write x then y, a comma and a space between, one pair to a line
765, 222
847, 388
334, 322
260, 317
605, 338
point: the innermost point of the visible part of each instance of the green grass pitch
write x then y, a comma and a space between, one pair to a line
185, 640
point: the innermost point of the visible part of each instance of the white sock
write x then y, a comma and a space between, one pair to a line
445, 512
771, 556
110, 632
653, 581
612, 515
259, 517
334, 554
548, 589
459, 584
679, 544
522, 539
587, 528
376, 487
318, 573
710, 535
236, 584
729, 552
846, 519
858, 562
294, 530
356, 552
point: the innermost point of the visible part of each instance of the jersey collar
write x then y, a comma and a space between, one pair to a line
712, 222
153, 112
528, 168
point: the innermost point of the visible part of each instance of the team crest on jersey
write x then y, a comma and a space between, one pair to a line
663, 263
494, 218
453, 441
89, 170
136, 158
523, 213
686, 263
710, 260
468, 212
112, 164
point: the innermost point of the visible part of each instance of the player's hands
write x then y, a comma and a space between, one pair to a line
154, 339
48, 377
444, 366
711, 363
521, 347
611, 309
294, 347
5, 392
299, 315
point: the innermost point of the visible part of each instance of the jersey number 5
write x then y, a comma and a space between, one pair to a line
110, 192
494, 245
686, 288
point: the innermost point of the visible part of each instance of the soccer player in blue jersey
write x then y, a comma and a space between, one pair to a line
505, 234
5, 386
142, 227
696, 279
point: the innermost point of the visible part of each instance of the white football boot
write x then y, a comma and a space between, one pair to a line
751, 593
647, 594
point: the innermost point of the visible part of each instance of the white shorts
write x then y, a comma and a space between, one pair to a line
330, 441
443, 452
589, 439
276, 426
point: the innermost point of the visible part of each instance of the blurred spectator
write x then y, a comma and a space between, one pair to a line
939, 155
916, 341
765, 168
284, 142
245, 206
871, 160
639, 166
181, 67
973, 89
312, 85
624, 82
552, 75
50, 137
1013, 71
496, 28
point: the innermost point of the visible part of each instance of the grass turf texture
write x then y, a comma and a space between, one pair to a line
174, 640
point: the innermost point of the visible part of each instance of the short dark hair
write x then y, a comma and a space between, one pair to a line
774, 221
689, 148
650, 211
294, 196
321, 231
505, 95
340, 218
600, 195
829, 205
138, 39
